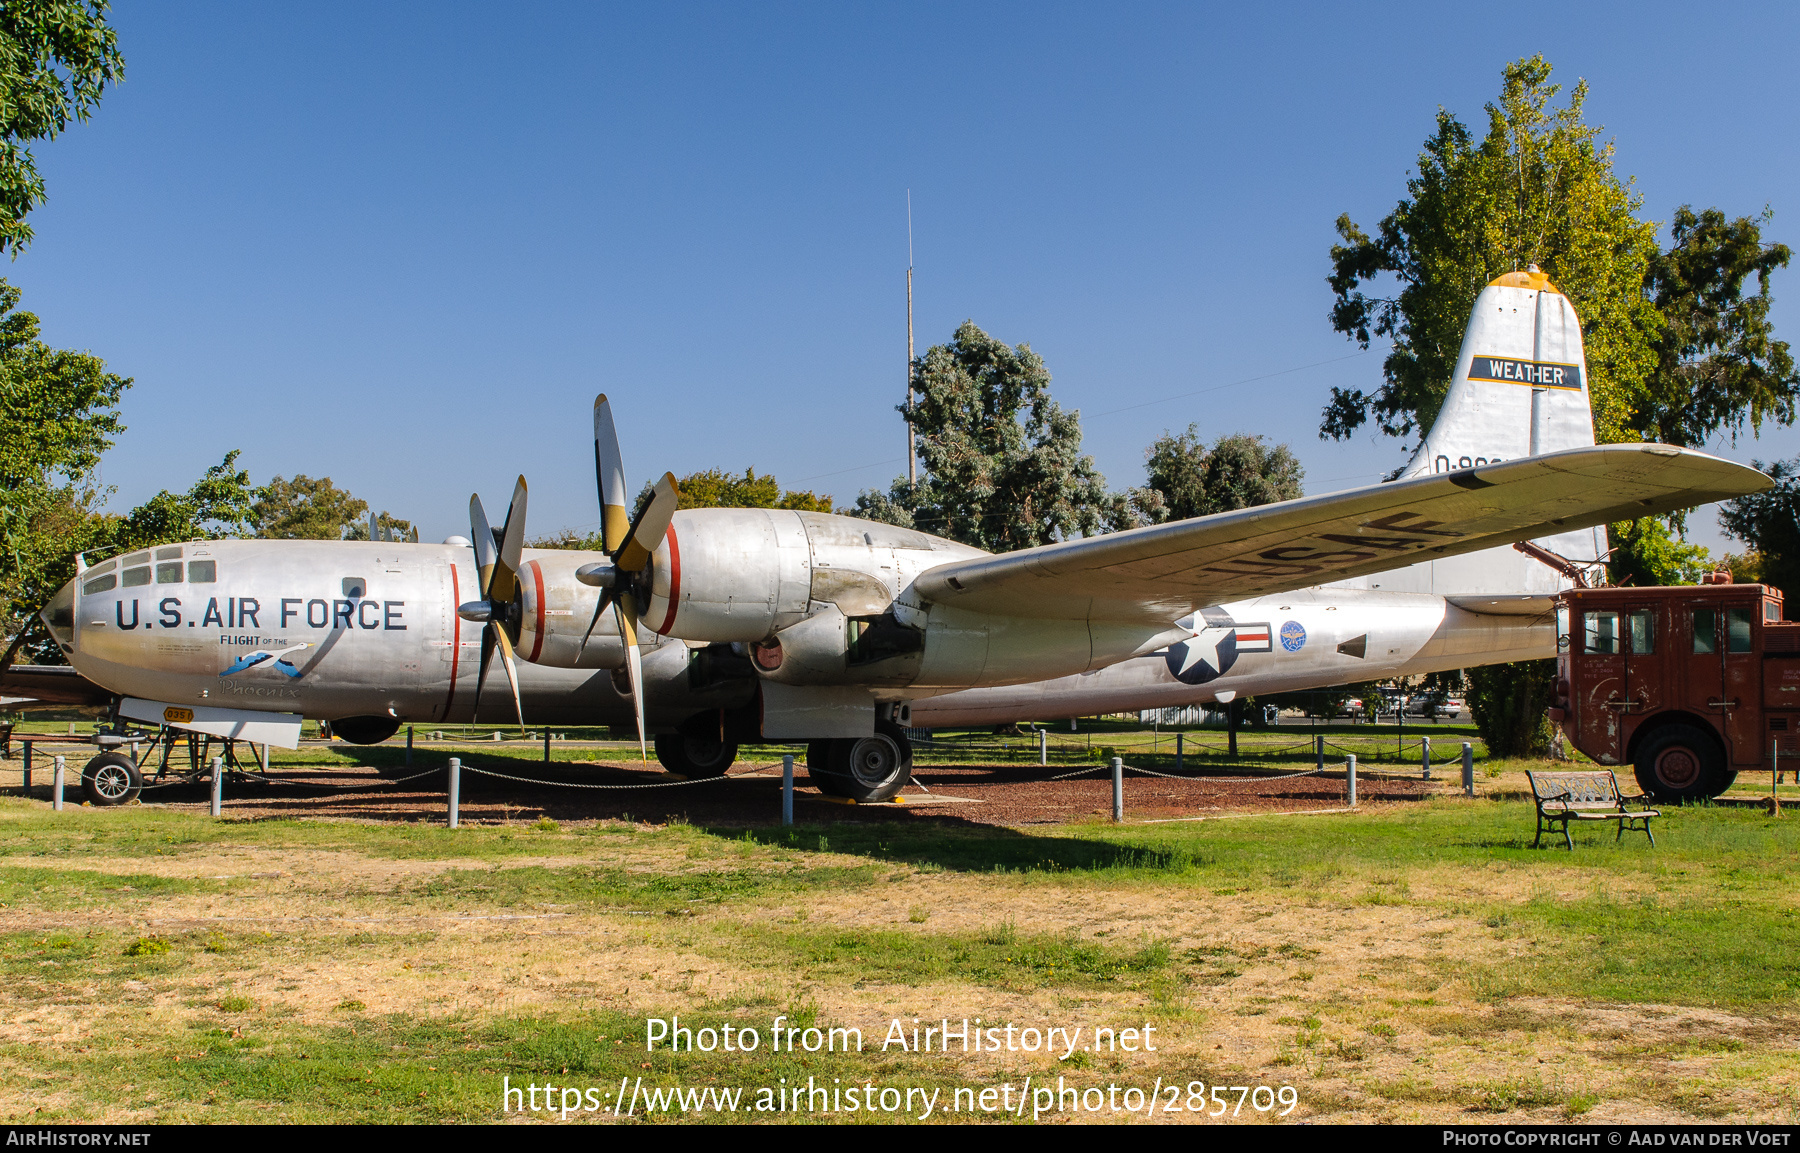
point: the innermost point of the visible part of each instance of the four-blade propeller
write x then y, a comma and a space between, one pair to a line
497, 561
625, 577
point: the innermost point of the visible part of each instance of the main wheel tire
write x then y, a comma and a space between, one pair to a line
818, 768
111, 779
1679, 763
693, 754
365, 730
872, 768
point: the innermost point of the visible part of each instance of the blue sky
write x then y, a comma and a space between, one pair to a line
403, 246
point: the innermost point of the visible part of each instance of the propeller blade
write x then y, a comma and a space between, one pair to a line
512, 542
634, 663
609, 477
652, 524
606, 596
512, 672
483, 537
488, 632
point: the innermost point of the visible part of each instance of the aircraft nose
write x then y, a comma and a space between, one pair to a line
58, 616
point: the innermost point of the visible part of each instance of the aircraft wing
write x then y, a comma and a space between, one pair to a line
1163, 572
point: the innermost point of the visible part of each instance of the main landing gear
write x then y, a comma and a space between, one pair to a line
864, 769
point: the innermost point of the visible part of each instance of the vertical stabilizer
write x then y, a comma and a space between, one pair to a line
1520, 389
1520, 386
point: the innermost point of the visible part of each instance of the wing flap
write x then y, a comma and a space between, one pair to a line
1165, 571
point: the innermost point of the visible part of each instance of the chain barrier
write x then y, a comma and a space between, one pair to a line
652, 785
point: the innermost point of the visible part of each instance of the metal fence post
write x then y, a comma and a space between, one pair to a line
265, 759
1319, 739
218, 784
56, 787
1468, 769
1118, 788
546, 746
787, 788
1425, 755
455, 789
409, 740
1178, 750
27, 766
1043, 746
1350, 779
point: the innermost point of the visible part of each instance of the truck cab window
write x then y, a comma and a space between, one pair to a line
1641, 624
1771, 611
1706, 631
1740, 629
1601, 630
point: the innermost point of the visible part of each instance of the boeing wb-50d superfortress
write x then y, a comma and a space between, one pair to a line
827, 629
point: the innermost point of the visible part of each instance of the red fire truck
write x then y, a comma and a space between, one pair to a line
1689, 685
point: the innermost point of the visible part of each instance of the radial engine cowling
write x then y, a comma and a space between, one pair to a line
554, 611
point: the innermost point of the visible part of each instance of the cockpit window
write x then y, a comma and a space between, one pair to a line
173, 553
100, 584
203, 572
168, 572
137, 576
136, 558
103, 566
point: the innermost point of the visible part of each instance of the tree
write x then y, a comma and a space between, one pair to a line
1537, 189
1646, 552
305, 509
1187, 479
1508, 703
1769, 522
1717, 364
1002, 462
715, 488
218, 505
56, 59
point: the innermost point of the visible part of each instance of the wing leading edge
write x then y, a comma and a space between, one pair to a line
1165, 571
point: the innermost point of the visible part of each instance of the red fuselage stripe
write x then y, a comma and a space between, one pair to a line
455, 637
674, 582
537, 645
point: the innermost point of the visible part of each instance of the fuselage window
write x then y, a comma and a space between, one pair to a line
355, 587
100, 584
168, 572
169, 553
1740, 630
1706, 631
203, 572
1602, 632
137, 576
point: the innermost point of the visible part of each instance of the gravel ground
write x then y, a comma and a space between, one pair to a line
1009, 795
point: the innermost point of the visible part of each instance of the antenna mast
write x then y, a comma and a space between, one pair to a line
912, 456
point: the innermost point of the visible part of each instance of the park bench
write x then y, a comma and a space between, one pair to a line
1586, 796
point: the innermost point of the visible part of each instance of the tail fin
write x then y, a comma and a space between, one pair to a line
1520, 389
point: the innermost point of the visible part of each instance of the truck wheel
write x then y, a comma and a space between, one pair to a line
111, 779
695, 754
1680, 763
873, 768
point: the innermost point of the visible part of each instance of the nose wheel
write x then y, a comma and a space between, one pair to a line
111, 779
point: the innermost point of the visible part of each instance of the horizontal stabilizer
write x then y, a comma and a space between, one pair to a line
1521, 605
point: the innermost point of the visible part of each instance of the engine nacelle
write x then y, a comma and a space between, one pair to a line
746, 574
555, 609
